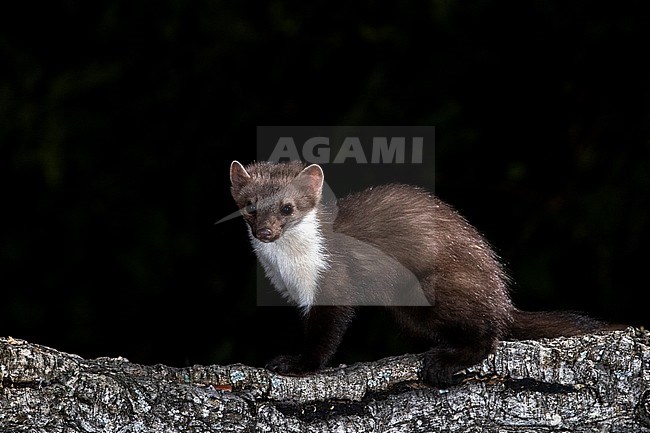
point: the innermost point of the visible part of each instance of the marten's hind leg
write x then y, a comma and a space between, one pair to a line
456, 343
453, 352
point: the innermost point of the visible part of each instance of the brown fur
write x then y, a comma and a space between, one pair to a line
383, 238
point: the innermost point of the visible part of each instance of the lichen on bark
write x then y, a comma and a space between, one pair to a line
596, 382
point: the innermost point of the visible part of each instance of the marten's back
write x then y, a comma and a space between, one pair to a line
427, 236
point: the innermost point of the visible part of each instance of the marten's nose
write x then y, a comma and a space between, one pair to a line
264, 234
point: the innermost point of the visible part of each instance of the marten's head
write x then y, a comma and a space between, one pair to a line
274, 197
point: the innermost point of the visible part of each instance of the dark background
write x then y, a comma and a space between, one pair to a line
119, 119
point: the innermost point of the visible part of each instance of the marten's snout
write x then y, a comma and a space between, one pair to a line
265, 235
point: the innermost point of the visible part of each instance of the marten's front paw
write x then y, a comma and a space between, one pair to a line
288, 364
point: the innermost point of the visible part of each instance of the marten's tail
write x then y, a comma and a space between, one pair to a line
531, 325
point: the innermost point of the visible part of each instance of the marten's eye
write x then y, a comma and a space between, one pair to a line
250, 208
287, 209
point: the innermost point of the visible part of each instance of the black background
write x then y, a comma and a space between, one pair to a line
119, 119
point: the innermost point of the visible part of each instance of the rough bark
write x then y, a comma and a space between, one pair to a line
593, 383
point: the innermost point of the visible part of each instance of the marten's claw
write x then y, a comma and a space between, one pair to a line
288, 365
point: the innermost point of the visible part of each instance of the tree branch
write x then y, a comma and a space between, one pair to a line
598, 382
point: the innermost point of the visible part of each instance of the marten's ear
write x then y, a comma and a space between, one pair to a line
238, 175
312, 178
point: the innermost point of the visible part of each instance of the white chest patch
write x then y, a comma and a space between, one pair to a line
295, 261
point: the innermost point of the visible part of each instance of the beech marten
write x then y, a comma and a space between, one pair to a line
394, 245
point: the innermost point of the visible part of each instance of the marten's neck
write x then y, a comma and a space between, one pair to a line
296, 261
